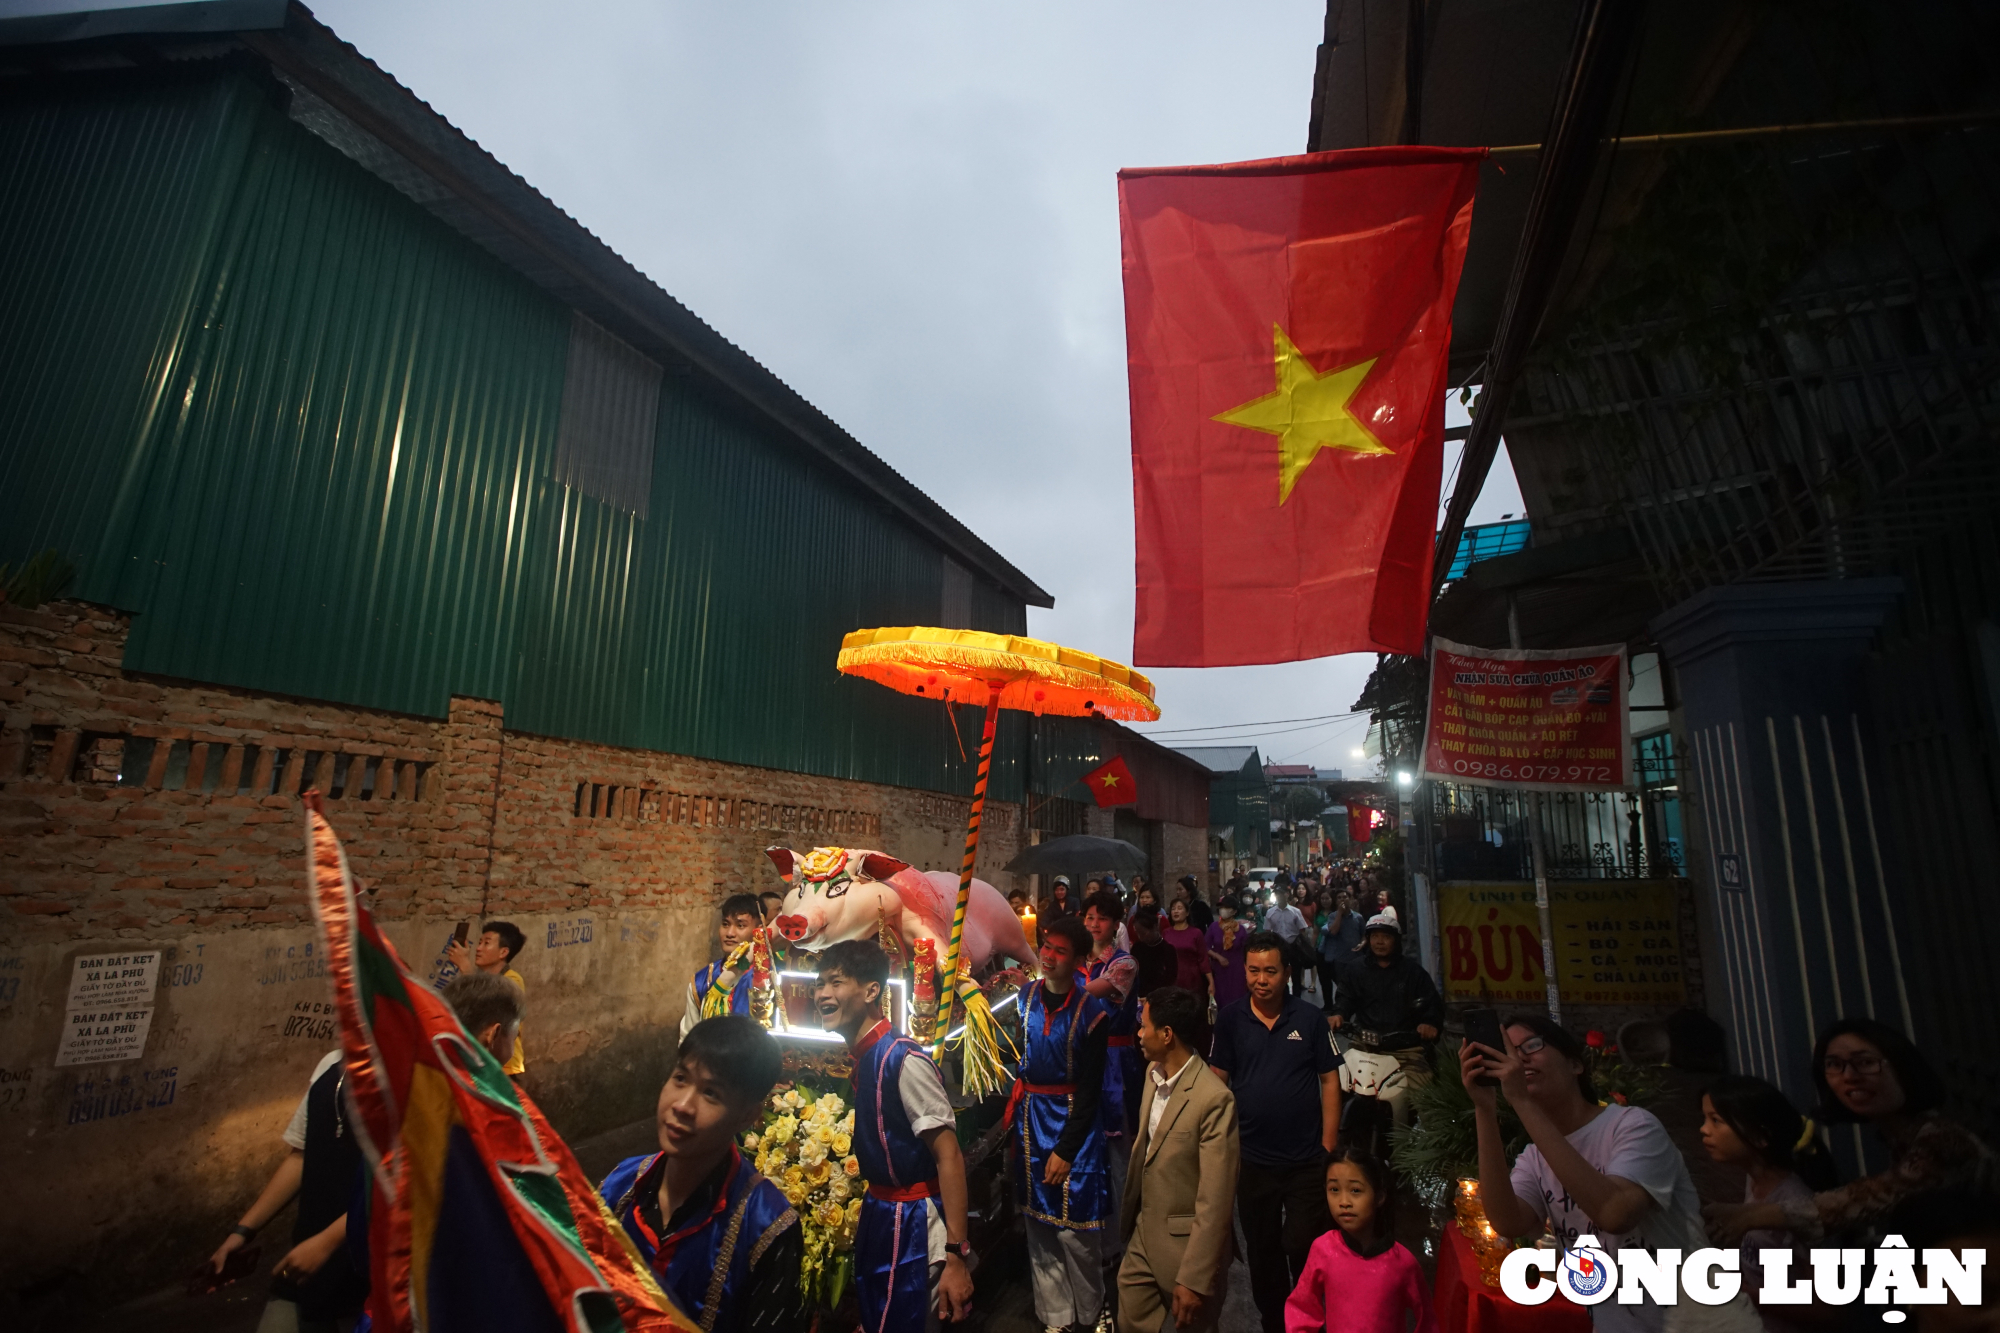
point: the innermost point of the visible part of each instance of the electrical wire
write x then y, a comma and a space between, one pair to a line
1259, 735
1268, 722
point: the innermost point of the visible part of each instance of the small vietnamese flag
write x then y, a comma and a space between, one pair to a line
1112, 784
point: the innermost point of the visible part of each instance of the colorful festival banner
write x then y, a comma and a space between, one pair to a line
1539, 720
1617, 942
478, 1214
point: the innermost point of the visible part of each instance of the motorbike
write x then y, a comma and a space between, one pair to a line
1377, 1071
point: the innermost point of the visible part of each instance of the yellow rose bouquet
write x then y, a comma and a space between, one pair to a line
804, 1146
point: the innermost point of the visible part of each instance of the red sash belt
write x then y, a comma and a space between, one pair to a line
923, 1189
1022, 1088
1114, 1042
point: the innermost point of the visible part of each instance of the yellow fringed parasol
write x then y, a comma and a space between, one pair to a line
967, 666
970, 666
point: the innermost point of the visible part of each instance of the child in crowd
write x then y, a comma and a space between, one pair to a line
1357, 1279
1750, 1125
728, 976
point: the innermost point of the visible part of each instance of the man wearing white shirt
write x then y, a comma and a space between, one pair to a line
1288, 923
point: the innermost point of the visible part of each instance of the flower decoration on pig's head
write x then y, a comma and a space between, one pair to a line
818, 911
824, 863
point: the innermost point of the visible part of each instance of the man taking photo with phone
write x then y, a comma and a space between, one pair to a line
500, 942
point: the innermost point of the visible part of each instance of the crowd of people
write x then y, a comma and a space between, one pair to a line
1179, 1086
1321, 913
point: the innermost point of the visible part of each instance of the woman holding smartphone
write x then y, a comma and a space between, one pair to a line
1605, 1171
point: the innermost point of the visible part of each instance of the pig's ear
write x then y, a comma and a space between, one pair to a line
782, 858
878, 866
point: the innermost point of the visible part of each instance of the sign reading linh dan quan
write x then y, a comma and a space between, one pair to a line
1528, 718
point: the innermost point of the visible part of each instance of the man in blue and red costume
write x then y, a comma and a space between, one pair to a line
723, 986
1058, 1151
910, 1250
723, 1241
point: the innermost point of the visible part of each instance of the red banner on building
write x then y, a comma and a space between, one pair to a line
1543, 720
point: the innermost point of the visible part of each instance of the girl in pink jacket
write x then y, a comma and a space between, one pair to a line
1357, 1278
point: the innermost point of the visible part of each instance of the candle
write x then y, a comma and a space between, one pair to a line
1028, 924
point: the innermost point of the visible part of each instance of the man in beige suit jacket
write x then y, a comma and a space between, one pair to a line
1180, 1189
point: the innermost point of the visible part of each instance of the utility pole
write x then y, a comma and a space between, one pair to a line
1543, 916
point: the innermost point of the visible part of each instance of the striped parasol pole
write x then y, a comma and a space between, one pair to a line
953, 957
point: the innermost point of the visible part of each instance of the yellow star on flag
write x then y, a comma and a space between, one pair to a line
1308, 412
1109, 779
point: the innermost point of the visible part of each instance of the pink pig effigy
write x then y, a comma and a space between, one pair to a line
837, 893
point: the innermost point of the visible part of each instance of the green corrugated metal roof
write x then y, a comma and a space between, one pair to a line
356, 107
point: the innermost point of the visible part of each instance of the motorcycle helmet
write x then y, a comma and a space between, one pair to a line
1384, 921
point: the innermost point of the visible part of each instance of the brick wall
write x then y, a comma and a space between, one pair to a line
1184, 852
157, 814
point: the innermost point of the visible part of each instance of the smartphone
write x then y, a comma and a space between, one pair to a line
462, 933
1483, 1026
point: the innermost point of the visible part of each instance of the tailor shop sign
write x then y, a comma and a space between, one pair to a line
1544, 721
1617, 942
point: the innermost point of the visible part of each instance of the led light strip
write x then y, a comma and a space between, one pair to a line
954, 1036
784, 1025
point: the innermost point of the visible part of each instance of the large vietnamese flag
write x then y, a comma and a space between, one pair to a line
1287, 324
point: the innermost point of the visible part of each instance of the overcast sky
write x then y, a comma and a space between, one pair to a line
908, 211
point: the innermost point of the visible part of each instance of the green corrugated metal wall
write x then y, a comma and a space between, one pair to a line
711, 626
306, 433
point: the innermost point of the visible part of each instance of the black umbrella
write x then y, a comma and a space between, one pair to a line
1079, 856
